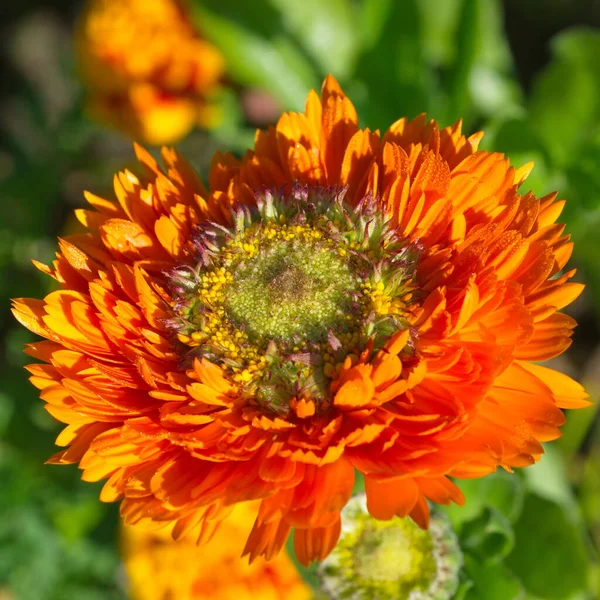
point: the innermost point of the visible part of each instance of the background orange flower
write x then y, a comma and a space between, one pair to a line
452, 393
147, 71
158, 567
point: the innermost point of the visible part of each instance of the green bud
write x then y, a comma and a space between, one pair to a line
391, 560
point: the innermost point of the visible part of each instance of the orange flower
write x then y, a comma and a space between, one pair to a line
158, 567
379, 311
148, 73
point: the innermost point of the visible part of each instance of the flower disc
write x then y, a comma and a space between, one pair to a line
299, 283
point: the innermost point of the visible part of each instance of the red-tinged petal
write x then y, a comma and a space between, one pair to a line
266, 539
420, 513
276, 468
440, 490
387, 498
316, 543
386, 370
396, 343
339, 124
357, 391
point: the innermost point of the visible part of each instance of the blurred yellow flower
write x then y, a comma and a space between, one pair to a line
147, 71
159, 568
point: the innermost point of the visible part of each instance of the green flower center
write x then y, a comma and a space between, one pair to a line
296, 285
387, 560
397, 555
292, 291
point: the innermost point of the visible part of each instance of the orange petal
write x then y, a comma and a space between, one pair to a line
357, 391
387, 498
567, 393
316, 543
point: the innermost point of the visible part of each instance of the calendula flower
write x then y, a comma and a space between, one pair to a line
337, 300
147, 71
159, 567
391, 560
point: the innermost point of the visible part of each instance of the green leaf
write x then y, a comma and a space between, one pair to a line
565, 97
494, 47
590, 489
7, 405
492, 582
579, 45
584, 182
36, 561
582, 213
494, 93
396, 81
467, 43
489, 537
549, 556
479, 77
76, 519
465, 585
549, 478
440, 20
372, 14
231, 135
257, 49
578, 425
501, 491
325, 29
359, 483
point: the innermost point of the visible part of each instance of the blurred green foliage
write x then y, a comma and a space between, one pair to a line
524, 536
527, 536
